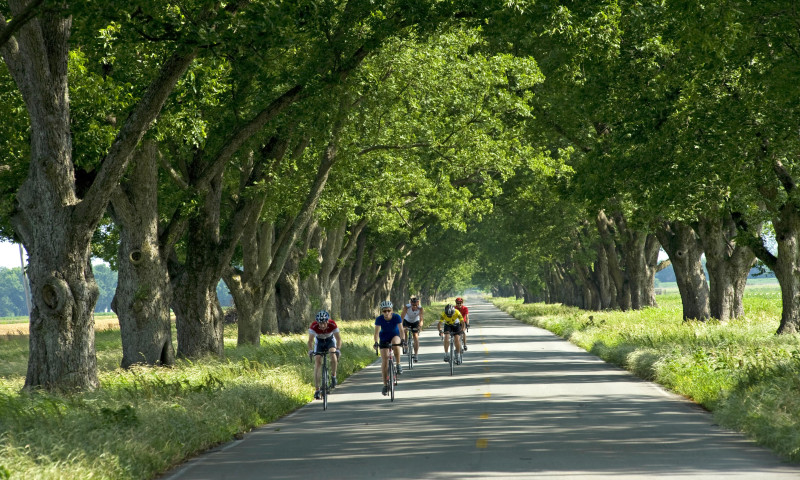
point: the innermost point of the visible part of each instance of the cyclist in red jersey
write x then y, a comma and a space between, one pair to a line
323, 336
464, 313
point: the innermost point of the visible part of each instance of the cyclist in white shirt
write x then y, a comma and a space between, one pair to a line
412, 319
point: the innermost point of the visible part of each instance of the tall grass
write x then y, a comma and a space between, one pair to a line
747, 376
144, 420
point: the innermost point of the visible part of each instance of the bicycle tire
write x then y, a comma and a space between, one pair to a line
410, 347
324, 388
391, 380
452, 353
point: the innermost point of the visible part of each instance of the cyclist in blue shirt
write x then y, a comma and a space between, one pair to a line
388, 334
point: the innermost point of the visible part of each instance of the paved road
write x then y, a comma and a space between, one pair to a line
525, 404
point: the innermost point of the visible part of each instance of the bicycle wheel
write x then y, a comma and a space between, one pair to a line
324, 386
410, 347
452, 353
391, 380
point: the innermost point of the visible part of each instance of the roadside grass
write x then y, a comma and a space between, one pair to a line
747, 376
143, 421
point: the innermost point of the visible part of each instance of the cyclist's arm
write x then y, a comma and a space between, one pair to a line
403, 313
421, 311
402, 331
311, 337
377, 331
338, 338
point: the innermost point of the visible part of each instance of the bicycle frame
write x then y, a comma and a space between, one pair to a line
452, 352
410, 347
391, 373
324, 388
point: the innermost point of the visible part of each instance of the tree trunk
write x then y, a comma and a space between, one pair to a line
651, 249
143, 293
637, 251
786, 264
728, 265
198, 314
605, 227
683, 247
607, 295
291, 311
48, 217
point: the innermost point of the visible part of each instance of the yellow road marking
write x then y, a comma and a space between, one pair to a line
484, 416
482, 443
487, 394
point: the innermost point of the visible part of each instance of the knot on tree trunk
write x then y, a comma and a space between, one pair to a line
55, 293
136, 257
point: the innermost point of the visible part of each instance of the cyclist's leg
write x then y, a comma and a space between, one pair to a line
396, 348
416, 341
334, 362
317, 371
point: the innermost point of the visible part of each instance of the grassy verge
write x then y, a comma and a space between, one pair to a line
144, 420
743, 373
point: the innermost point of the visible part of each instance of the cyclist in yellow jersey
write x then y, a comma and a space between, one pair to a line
450, 323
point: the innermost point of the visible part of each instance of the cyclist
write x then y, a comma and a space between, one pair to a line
388, 334
323, 336
464, 313
452, 320
412, 318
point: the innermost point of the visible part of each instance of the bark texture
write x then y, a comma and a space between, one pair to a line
728, 265
143, 295
683, 247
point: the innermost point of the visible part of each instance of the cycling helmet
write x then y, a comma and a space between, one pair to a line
386, 304
323, 316
459, 300
449, 310
414, 299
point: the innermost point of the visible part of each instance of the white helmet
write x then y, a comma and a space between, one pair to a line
386, 304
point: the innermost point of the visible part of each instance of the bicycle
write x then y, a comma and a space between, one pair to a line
324, 388
452, 352
410, 347
392, 376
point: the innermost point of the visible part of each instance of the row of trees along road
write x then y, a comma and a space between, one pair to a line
677, 123
332, 154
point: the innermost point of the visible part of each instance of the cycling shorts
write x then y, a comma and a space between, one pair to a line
322, 345
456, 329
383, 344
414, 327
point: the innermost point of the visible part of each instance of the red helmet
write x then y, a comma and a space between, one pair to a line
459, 300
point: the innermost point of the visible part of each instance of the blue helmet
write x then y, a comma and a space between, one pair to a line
323, 316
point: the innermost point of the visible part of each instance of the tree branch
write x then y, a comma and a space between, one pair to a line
20, 19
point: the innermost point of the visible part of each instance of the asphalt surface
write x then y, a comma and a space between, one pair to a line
524, 404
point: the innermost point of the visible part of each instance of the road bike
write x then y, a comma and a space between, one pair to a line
390, 366
324, 388
451, 354
410, 347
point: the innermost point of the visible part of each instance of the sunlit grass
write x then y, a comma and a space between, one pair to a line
739, 370
144, 420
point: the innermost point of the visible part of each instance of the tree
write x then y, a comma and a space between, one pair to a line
56, 212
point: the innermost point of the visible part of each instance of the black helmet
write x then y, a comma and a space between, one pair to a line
449, 310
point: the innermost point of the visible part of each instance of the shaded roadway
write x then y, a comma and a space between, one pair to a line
524, 404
